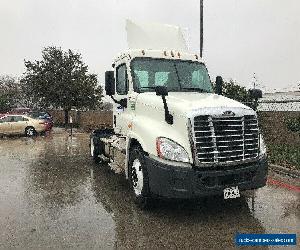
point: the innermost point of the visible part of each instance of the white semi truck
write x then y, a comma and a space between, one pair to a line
173, 136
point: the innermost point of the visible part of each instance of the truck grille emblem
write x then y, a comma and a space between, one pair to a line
228, 113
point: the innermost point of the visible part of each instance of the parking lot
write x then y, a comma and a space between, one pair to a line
54, 196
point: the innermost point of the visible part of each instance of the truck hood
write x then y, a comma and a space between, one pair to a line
185, 102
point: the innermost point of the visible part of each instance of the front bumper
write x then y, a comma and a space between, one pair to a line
170, 181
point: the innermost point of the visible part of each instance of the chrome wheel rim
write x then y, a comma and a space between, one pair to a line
137, 177
30, 132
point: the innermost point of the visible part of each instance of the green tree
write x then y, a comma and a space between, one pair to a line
10, 93
293, 124
4, 104
234, 91
61, 80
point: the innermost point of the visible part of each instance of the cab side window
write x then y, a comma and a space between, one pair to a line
121, 80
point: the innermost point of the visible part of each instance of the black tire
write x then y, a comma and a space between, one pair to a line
96, 157
30, 131
142, 195
95, 151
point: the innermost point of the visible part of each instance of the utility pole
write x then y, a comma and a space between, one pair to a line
201, 27
254, 80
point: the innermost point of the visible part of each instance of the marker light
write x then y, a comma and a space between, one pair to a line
262, 146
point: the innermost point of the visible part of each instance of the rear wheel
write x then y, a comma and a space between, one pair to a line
30, 131
138, 177
95, 151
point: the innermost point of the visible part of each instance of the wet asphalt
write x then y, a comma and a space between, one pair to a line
52, 196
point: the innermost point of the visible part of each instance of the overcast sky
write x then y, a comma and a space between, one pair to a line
240, 36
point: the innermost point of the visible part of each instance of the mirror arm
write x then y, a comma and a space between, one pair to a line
163, 92
122, 103
113, 99
168, 116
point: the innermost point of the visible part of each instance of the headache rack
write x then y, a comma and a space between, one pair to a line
220, 140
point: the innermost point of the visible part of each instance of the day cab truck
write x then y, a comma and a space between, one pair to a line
173, 136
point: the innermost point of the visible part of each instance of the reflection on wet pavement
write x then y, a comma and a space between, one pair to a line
54, 196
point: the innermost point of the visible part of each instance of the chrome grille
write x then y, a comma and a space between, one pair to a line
225, 139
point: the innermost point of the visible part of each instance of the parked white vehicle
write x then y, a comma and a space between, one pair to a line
11, 124
173, 137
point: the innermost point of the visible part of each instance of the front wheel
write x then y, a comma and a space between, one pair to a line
95, 151
138, 178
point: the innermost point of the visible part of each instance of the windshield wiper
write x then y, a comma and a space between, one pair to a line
196, 89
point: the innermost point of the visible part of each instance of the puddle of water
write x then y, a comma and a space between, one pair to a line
54, 196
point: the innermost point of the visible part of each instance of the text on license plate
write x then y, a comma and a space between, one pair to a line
231, 192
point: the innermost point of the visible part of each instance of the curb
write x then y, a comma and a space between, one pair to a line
286, 171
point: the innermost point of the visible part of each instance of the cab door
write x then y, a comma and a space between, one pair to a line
121, 114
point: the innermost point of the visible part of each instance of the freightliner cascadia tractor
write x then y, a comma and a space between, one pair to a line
173, 136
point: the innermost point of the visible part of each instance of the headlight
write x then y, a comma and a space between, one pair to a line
170, 150
262, 145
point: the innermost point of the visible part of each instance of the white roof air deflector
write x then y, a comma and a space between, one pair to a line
154, 36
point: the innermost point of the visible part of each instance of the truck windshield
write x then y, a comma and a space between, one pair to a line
176, 75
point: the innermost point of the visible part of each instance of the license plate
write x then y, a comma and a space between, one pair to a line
231, 193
